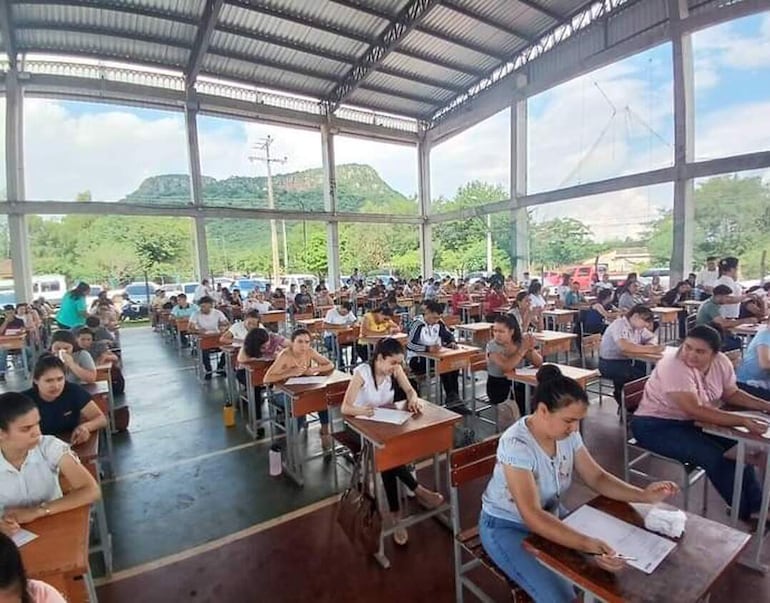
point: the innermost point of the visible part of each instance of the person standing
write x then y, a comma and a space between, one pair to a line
73, 311
707, 278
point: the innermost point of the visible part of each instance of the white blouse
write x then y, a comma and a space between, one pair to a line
369, 395
38, 479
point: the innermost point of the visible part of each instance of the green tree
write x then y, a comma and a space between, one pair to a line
560, 242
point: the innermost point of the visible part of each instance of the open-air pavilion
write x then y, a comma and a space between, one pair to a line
411, 72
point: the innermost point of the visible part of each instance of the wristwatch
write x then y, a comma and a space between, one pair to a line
45, 508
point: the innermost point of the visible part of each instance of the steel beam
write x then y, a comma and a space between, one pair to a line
519, 214
418, 98
461, 10
387, 41
330, 206
190, 211
202, 40
426, 228
543, 10
7, 28
120, 6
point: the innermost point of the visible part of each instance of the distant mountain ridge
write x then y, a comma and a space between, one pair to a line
357, 185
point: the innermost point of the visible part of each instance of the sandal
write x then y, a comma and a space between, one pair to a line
400, 536
428, 499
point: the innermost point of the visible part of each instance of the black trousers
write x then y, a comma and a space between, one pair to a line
240, 374
448, 380
499, 388
206, 357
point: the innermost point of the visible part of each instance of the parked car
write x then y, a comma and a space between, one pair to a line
139, 291
664, 273
479, 275
247, 285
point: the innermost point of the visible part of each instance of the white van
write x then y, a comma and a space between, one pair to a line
299, 279
50, 286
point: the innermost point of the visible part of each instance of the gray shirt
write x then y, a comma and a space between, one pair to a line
84, 360
628, 301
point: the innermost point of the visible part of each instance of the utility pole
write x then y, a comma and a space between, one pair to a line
264, 145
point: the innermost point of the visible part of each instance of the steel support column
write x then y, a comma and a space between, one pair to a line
426, 228
196, 188
14, 176
519, 215
684, 126
330, 205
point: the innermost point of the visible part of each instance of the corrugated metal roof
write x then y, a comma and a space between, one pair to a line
306, 47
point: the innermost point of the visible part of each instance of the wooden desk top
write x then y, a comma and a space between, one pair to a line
373, 339
380, 434
703, 553
459, 352
734, 434
469, 305
547, 336
13, 341
88, 450
311, 322
573, 372
665, 310
296, 390
559, 312
691, 302
644, 357
339, 328
96, 388
475, 326
61, 546
272, 314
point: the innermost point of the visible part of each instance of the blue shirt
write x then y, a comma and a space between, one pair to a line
71, 312
518, 448
61, 415
749, 371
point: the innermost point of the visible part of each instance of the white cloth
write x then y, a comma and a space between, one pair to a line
536, 301
730, 310
208, 323
333, 317
201, 291
708, 278
668, 523
238, 330
38, 479
370, 394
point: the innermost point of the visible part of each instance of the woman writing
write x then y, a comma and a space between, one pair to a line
375, 384
64, 407
599, 314
29, 481
73, 312
536, 459
687, 388
506, 351
301, 360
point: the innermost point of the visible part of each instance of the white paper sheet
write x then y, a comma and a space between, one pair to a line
388, 415
23, 537
306, 380
647, 548
754, 415
526, 372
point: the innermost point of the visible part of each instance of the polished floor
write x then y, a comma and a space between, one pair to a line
195, 516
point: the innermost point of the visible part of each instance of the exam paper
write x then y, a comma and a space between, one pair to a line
526, 372
388, 415
306, 380
754, 415
647, 548
23, 537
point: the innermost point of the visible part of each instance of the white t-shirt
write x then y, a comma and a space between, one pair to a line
708, 278
238, 330
730, 310
536, 301
208, 323
38, 479
201, 291
369, 395
333, 317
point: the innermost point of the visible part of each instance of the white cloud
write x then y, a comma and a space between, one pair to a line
742, 128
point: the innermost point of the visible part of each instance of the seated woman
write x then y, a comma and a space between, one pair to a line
600, 314
301, 360
323, 298
754, 306
536, 459
239, 329
100, 351
493, 301
375, 323
521, 310
459, 297
14, 585
506, 351
687, 388
258, 343
629, 334
754, 372
64, 407
654, 290
673, 298
630, 297
29, 481
374, 384
79, 364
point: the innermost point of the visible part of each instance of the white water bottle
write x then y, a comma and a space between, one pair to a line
275, 460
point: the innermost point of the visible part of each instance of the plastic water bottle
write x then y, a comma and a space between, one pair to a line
228, 414
276, 467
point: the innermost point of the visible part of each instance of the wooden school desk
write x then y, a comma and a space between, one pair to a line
744, 441
669, 322
230, 353
342, 335
559, 319
553, 343
479, 333
16, 343
686, 575
527, 376
446, 360
255, 377
372, 340
470, 310
429, 433
301, 400
59, 555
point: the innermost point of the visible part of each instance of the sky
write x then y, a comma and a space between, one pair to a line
614, 121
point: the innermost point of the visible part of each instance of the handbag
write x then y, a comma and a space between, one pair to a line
357, 511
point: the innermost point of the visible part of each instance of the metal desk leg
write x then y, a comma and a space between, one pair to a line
291, 464
756, 561
740, 462
527, 399
381, 502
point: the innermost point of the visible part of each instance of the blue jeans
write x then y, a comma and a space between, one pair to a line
683, 441
502, 540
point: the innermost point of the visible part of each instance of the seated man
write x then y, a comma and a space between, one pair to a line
205, 321
710, 313
11, 322
80, 366
100, 351
303, 303
238, 331
340, 315
574, 297
430, 334
183, 309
